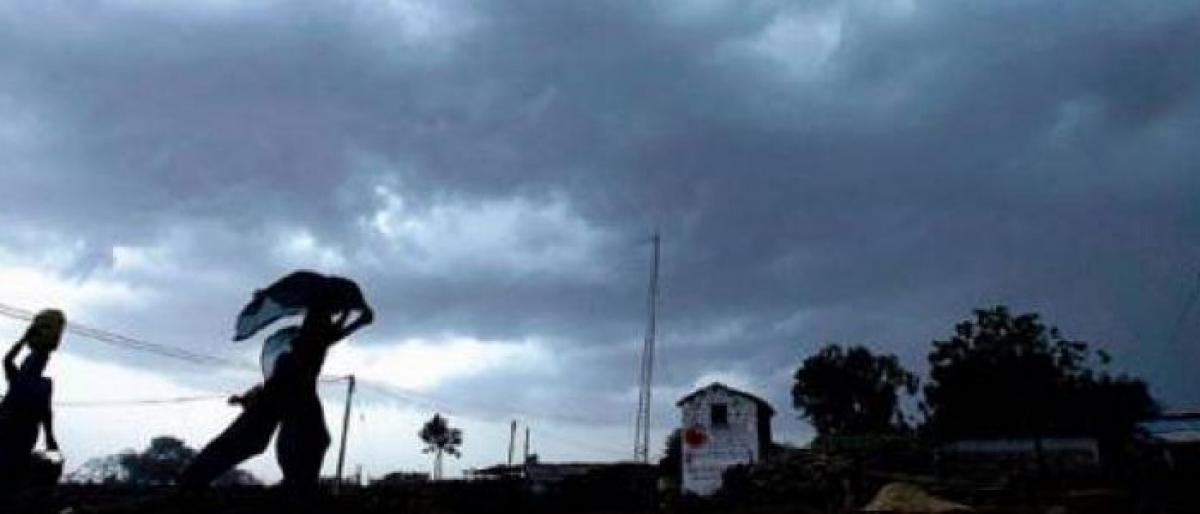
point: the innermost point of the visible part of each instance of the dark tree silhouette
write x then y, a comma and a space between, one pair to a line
1005, 375
161, 463
99, 470
671, 463
440, 439
851, 391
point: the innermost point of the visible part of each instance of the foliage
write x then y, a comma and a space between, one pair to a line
100, 470
237, 478
851, 391
671, 463
159, 464
440, 438
1005, 375
797, 477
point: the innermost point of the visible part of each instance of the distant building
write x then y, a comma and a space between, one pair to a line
722, 427
572, 486
1055, 456
496, 472
400, 478
612, 478
1177, 436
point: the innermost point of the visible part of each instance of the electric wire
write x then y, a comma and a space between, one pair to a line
423, 401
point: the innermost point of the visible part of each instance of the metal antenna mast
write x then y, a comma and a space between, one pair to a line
641, 438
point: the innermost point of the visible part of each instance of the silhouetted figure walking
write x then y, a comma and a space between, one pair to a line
26, 405
292, 359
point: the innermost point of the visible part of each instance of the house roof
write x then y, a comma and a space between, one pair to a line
762, 404
1174, 427
1189, 414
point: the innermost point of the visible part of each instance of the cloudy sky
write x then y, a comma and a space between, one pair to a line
851, 171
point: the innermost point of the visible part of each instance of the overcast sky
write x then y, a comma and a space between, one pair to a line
861, 171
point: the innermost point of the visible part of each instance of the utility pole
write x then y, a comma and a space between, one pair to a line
526, 460
641, 437
512, 435
337, 484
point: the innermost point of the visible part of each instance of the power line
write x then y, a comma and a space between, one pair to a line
428, 404
496, 409
114, 339
599, 448
198, 358
143, 401
162, 350
201, 359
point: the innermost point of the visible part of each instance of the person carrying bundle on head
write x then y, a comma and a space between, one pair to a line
287, 399
26, 406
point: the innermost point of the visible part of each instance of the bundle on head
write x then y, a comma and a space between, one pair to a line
46, 330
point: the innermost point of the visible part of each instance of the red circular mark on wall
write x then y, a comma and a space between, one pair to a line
695, 437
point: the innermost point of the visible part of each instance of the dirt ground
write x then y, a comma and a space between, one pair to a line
477, 498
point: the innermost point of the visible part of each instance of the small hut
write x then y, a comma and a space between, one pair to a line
722, 427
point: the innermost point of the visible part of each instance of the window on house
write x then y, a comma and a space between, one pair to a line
720, 415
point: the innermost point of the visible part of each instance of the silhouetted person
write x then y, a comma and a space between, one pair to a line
292, 361
26, 406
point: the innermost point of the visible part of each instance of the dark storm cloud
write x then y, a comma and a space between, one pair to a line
822, 171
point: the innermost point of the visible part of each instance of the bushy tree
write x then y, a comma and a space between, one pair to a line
851, 391
671, 463
99, 470
440, 439
1005, 375
159, 464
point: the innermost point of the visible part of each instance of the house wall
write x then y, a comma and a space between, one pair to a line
736, 443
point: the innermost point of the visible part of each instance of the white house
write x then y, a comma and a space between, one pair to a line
721, 427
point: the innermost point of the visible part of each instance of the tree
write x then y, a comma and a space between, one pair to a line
851, 391
159, 464
440, 438
100, 470
671, 463
1001, 375
237, 478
